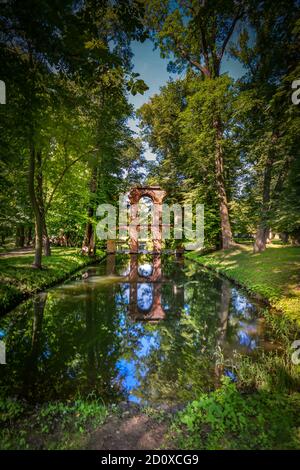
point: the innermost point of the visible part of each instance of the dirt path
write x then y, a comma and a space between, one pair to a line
17, 252
130, 431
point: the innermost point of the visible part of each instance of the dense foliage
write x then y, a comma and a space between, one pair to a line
232, 145
65, 143
226, 419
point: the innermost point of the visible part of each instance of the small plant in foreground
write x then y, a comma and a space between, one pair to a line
55, 425
228, 419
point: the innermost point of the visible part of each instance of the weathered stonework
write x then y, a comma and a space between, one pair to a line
156, 194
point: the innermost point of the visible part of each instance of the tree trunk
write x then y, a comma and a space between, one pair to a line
284, 237
29, 236
40, 199
295, 237
226, 232
47, 247
263, 228
17, 242
22, 237
261, 238
36, 210
88, 245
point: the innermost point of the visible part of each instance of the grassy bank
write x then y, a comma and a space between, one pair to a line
273, 274
225, 418
18, 280
54, 425
84, 423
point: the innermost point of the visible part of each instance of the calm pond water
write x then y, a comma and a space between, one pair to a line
143, 328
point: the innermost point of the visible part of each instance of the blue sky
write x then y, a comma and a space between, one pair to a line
153, 70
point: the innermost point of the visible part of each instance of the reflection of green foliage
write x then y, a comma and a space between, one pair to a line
10, 409
183, 364
226, 419
9, 296
74, 349
271, 370
177, 369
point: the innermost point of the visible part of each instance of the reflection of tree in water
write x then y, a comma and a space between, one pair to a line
31, 362
82, 338
23, 333
184, 364
75, 351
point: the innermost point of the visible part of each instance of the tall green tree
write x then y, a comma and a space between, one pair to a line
196, 34
267, 48
54, 44
177, 125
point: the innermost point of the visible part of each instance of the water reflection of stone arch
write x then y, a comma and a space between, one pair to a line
156, 194
155, 311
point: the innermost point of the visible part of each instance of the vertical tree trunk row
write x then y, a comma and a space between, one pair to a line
40, 199
226, 232
36, 210
263, 228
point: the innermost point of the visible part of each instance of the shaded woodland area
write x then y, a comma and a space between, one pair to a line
65, 143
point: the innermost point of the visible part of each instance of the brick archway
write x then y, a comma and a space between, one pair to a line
156, 194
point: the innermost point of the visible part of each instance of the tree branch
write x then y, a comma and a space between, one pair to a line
230, 32
193, 62
60, 180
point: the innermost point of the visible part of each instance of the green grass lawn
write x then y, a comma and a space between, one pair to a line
18, 279
274, 274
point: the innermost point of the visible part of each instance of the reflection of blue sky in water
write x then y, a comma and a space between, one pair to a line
148, 343
241, 306
123, 297
243, 314
246, 340
145, 270
187, 309
144, 296
128, 369
230, 374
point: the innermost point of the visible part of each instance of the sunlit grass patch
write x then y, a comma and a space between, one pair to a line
273, 274
18, 279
